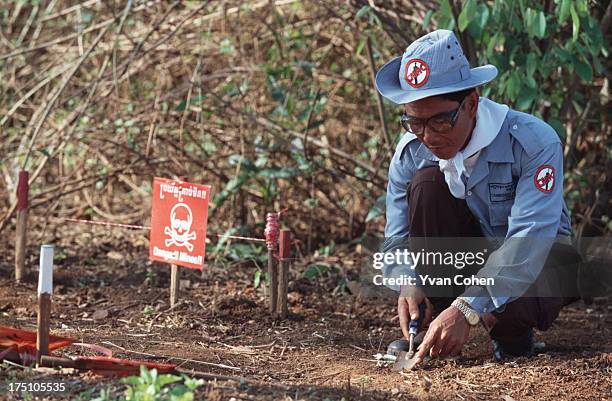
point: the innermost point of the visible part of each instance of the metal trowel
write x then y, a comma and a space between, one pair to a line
405, 350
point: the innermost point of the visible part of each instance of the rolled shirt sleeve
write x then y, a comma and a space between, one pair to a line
535, 215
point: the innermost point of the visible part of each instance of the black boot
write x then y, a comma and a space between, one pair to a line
514, 347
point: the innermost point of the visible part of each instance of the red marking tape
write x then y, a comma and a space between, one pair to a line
23, 187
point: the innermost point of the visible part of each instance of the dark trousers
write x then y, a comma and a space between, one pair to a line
435, 212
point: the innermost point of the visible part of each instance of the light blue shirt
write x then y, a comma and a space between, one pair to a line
508, 191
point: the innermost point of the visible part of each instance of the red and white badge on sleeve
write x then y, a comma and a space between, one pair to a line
544, 178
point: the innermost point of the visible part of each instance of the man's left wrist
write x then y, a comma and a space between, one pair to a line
471, 316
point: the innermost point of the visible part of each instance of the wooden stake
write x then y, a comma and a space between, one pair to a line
22, 225
45, 289
174, 284
272, 276
43, 322
283, 273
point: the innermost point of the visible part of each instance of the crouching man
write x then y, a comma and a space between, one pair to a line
470, 167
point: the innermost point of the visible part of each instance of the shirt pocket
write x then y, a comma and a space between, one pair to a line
499, 213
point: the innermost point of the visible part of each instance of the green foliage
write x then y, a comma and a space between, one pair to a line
318, 270
467, 14
246, 251
193, 100
327, 249
260, 175
257, 278
260, 276
227, 47
444, 16
148, 310
239, 252
378, 208
148, 386
88, 395
540, 54
151, 386
372, 17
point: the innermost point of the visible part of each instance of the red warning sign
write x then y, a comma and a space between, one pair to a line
179, 214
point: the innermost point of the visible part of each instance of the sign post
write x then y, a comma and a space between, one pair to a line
174, 284
179, 215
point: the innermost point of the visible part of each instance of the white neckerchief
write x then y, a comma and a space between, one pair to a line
489, 119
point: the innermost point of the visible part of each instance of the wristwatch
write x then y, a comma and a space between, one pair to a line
470, 315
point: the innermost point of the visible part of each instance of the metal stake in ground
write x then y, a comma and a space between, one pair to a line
283, 273
45, 289
272, 233
22, 225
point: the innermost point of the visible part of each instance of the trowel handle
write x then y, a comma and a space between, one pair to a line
414, 325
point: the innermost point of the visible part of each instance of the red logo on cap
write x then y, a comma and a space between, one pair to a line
417, 73
544, 178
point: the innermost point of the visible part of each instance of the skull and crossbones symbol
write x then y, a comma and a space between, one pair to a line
180, 226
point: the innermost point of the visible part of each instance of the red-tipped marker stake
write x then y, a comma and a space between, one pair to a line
22, 225
271, 232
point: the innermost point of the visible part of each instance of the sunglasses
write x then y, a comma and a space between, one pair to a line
440, 123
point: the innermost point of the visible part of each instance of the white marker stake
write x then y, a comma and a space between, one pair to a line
45, 289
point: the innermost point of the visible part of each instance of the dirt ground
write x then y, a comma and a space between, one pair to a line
107, 293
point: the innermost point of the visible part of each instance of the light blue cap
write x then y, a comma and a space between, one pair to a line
432, 65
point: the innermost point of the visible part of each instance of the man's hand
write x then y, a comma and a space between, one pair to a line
445, 336
408, 307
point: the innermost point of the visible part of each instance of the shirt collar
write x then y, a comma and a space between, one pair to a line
489, 119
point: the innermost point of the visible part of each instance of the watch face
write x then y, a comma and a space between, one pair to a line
473, 318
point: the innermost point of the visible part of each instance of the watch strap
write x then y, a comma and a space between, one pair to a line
467, 311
